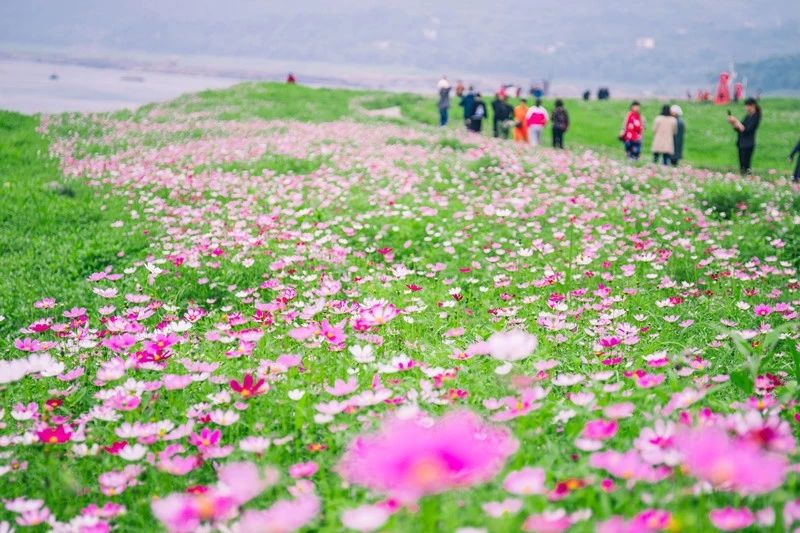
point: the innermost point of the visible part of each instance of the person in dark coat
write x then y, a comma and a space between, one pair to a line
560, 119
478, 114
746, 133
796, 151
468, 103
501, 115
677, 112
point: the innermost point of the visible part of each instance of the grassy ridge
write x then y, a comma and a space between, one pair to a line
595, 124
52, 233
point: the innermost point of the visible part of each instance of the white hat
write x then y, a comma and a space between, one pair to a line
676, 110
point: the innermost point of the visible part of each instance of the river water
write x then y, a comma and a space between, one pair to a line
26, 87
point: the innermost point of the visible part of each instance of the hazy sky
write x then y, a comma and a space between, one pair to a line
614, 40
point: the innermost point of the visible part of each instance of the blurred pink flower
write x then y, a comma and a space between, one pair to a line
731, 519
407, 460
284, 516
511, 345
710, 454
525, 481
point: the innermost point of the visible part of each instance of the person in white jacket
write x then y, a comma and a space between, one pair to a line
536, 119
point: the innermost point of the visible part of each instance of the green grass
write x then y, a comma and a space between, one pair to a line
52, 238
53, 231
594, 124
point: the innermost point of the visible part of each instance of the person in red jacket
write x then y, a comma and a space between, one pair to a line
632, 131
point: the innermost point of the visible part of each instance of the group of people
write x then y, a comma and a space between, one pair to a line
527, 123
668, 133
669, 130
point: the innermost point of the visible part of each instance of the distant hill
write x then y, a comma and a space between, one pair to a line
775, 74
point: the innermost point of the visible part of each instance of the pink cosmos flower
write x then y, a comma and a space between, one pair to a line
365, 517
303, 469
238, 484
508, 506
732, 519
762, 310
407, 460
341, 388
648, 521
285, 516
648, 381
548, 522
511, 345
54, 435
525, 482
515, 406
628, 465
730, 464
206, 438
333, 333
249, 386
600, 429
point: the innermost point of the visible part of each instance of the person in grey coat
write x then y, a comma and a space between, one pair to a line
677, 112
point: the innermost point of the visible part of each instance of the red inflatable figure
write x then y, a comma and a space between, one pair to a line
723, 95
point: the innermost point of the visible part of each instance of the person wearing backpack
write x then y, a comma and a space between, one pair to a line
560, 124
478, 114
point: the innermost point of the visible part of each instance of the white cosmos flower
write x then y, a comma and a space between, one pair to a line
224, 418
133, 452
296, 394
362, 354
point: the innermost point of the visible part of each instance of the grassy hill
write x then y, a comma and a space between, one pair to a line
710, 142
261, 309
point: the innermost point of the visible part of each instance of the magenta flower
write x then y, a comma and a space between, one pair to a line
248, 387
54, 435
600, 429
407, 460
303, 469
206, 438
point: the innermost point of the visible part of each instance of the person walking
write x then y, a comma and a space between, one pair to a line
520, 127
444, 100
665, 127
746, 133
501, 115
536, 119
468, 103
796, 151
560, 124
677, 142
478, 114
632, 131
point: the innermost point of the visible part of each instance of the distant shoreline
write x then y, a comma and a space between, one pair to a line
315, 74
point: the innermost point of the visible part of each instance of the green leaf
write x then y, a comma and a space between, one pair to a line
743, 380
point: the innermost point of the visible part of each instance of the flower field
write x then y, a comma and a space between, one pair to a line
354, 325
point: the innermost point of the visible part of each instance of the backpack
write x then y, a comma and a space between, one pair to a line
560, 121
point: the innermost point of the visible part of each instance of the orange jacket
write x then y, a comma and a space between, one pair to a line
521, 131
